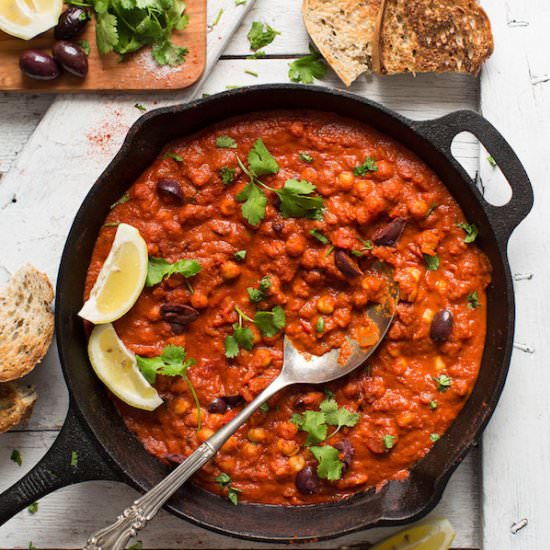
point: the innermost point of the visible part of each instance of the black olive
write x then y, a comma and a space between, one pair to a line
71, 57
346, 265
170, 191
442, 326
233, 400
218, 406
347, 450
390, 233
307, 481
38, 65
178, 316
175, 458
71, 23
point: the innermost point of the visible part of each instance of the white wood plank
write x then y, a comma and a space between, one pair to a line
68, 516
516, 446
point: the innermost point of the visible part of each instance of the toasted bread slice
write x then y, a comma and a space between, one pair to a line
438, 36
344, 33
16, 403
26, 322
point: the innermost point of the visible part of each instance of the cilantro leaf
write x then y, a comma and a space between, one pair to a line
431, 262
330, 466
33, 508
227, 175
319, 236
240, 255
389, 441
270, 322
159, 269
85, 45
492, 162
231, 347
224, 481
471, 231
444, 382
225, 142
307, 68
174, 156
295, 202
242, 337
261, 35
261, 161
313, 423
338, 417
255, 201
306, 157
74, 459
258, 294
369, 165
106, 33
16, 457
435, 437
167, 53
122, 200
473, 300
320, 325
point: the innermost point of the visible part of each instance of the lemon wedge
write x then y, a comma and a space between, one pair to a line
116, 367
120, 280
437, 534
28, 18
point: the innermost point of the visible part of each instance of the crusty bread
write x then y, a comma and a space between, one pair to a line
16, 403
344, 33
26, 322
432, 36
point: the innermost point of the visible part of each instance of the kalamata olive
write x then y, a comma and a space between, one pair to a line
390, 233
277, 226
38, 65
178, 316
71, 23
346, 265
71, 57
218, 406
175, 458
347, 450
233, 400
170, 191
307, 481
442, 326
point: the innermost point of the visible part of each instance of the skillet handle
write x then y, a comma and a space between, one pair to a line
55, 470
442, 131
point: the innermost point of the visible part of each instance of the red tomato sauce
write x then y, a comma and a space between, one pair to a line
396, 394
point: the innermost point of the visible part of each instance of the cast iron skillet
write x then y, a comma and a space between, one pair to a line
107, 450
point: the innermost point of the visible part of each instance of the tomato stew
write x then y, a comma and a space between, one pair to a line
378, 201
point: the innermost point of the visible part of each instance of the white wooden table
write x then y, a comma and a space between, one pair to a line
495, 487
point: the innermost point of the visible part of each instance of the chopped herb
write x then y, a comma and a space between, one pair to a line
471, 231
338, 416
431, 262
264, 407
330, 466
258, 294
226, 142
16, 457
252, 73
240, 255
389, 441
260, 35
233, 495
492, 161
224, 481
122, 200
295, 201
257, 55
33, 508
242, 337
367, 245
171, 362
254, 203
435, 437
159, 269
433, 405
32, 547
329, 251
473, 300
307, 68
227, 175
319, 236
85, 46
111, 224
171, 155
306, 158
140, 107
444, 382
232, 87
217, 20
369, 165
368, 370
357, 253
320, 325
261, 161
433, 207
74, 459
271, 322
138, 545
240, 2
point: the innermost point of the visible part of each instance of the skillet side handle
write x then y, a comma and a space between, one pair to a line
443, 130
55, 470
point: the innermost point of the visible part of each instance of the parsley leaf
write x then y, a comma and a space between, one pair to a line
254, 204
431, 262
270, 322
227, 175
295, 202
33, 508
261, 35
473, 300
444, 382
306, 157
159, 269
319, 236
389, 441
369, 165
307, 68
313, 423
226, 142
330, 466
471, 231
261, 161
16, 457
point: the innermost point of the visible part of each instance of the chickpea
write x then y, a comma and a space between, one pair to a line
297, 463
366, 336
230, 445
325, 305
439, 364
228, 206
226, 463
181, 405
428, 315
405, 418
286, 430
199, 300
204, 433
230, 270
250, 450
295, 245
261, 358
287, 447
257, 435
192, 418
346, 180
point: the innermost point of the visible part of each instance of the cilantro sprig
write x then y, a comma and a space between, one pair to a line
159, 269
471, 231
369, 165
261, 35
224, 481
329, 464
242, 337
270, 322
258, 294
307, 68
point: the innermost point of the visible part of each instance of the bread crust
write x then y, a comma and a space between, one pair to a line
16, 404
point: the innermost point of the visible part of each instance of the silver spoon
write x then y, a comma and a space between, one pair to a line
297, 369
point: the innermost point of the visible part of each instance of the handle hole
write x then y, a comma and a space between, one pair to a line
479, 164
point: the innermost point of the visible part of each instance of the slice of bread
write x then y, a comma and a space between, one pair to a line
344, 33
16, 403
438, 36
26, 322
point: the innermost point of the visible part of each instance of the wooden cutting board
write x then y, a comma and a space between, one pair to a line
138, 72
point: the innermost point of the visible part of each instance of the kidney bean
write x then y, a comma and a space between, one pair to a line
175, 458
178, 316
71, 23
346, 265
170, 191
347, 450
38, 65
71, 57
233, 400
218, 406
390, 233
307, 481
442, 326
